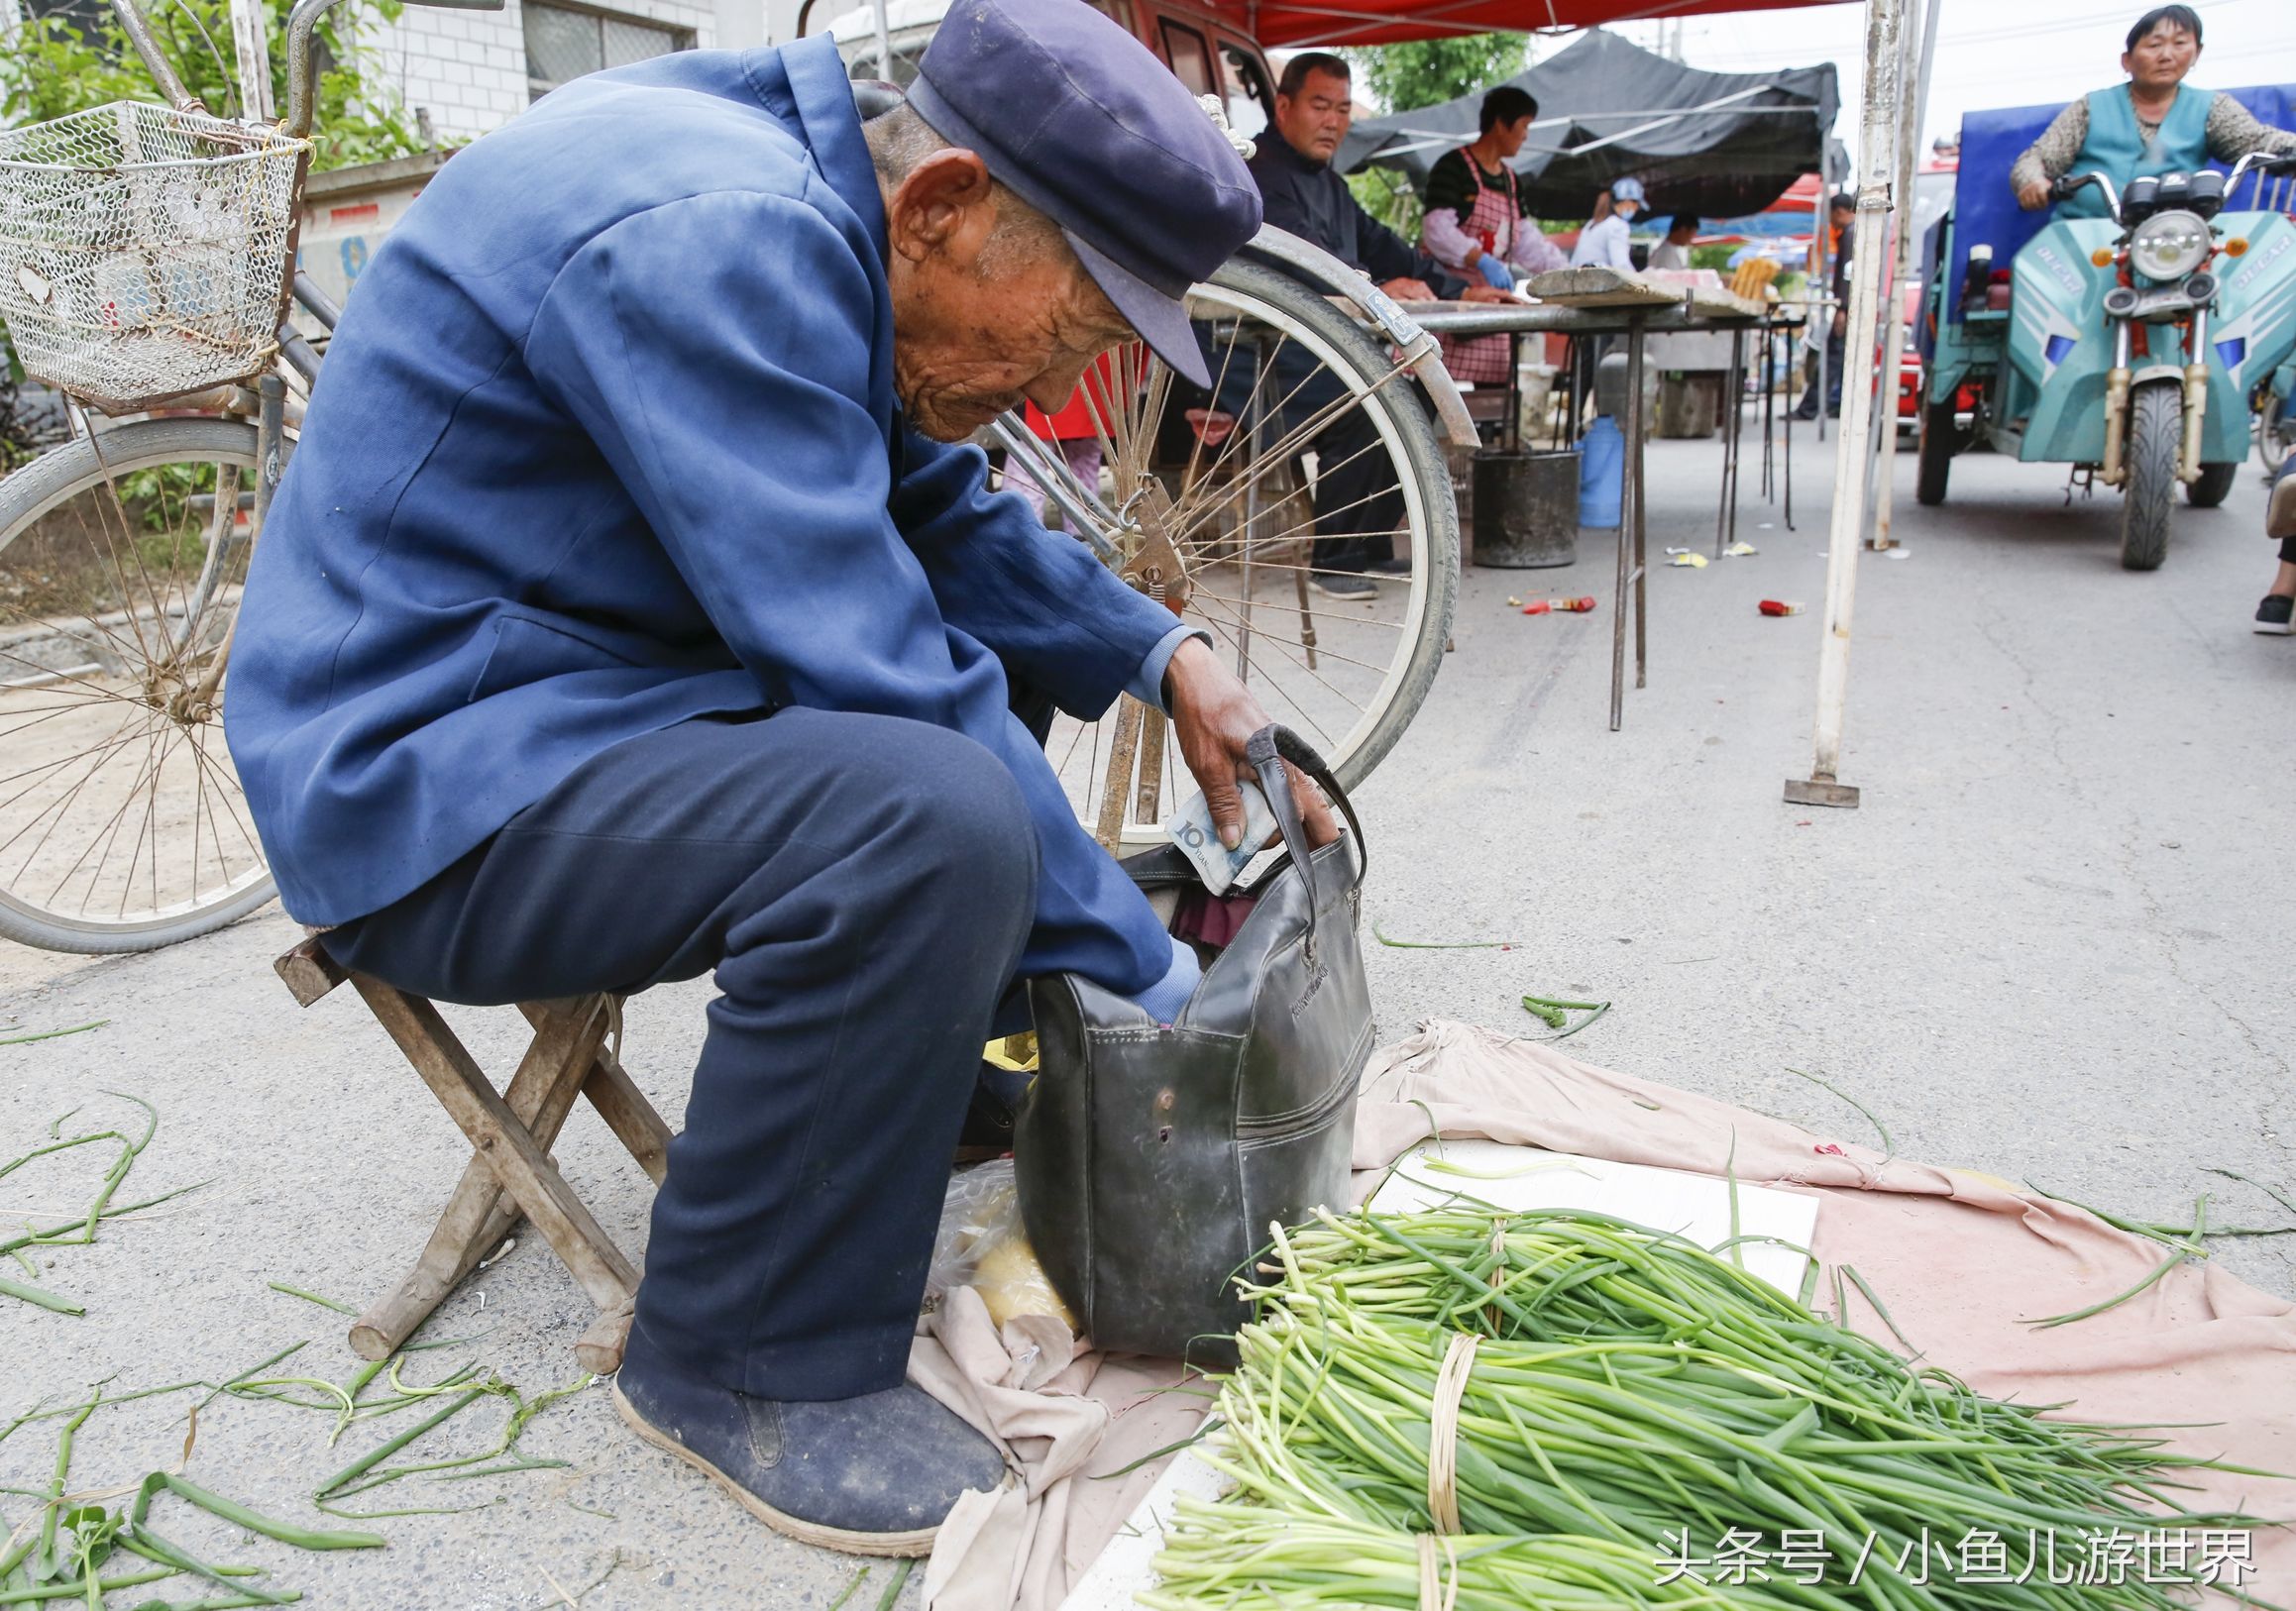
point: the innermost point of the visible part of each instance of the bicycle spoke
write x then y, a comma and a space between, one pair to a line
1279, 643
227, 789
1298, 437
119, 737
1233, 600
1277, 689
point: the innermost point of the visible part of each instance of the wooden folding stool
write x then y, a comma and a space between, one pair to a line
511, 1174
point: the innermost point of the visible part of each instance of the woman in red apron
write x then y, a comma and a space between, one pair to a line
1476, 224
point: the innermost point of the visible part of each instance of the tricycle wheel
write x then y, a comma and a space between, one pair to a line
2155, 423
2213, 488
1936, 464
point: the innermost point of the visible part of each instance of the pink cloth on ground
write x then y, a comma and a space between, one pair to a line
1963, 1260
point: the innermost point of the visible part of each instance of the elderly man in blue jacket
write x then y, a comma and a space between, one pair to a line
627, 613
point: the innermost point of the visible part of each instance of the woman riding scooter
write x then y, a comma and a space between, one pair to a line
2152, 125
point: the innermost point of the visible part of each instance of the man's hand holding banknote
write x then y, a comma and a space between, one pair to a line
1214, 717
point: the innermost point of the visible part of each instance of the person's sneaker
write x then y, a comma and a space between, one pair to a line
1345, 585
874, 1475
1389, 567
2272, 615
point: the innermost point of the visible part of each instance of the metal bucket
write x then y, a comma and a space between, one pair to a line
1526, 509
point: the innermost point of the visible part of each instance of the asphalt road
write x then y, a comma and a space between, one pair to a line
2048, 945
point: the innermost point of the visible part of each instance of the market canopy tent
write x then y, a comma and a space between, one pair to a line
1708, 143
1900, 44
1303, 22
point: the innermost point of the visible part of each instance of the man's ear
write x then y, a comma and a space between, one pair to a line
946, 207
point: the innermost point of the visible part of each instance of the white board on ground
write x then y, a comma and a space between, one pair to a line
1124, 1569
1698, 1207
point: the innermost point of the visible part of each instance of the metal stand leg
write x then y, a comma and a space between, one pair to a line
1726, 513
1789, 468
1634, 350
1769, 414
1631, 567
1737, 425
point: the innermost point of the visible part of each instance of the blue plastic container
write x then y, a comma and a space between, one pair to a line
1602, 473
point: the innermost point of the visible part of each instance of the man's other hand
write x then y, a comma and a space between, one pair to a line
1410, 291
1487, 293
2034, 196
1214, 717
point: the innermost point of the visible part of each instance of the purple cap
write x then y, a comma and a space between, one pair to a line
1079, 120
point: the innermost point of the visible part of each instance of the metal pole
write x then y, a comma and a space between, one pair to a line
884, 43
1734, 387
1885, 22
1915, 108
1634, 468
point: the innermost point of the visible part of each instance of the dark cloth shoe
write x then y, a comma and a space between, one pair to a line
2272, 615
1389, 567
874, 1475
1343, 585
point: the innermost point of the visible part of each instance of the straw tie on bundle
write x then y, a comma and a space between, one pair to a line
1443, 1432
1437, 1581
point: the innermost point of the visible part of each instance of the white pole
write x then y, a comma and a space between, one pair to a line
884, 43
1915, 111
251, 44
1877, 161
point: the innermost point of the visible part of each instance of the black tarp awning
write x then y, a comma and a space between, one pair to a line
1610, 109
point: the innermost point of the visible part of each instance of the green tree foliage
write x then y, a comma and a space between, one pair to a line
51, 68
1421, 72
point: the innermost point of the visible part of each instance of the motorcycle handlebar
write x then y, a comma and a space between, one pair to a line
2072, 184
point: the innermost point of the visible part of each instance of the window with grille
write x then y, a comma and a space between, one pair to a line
562, 44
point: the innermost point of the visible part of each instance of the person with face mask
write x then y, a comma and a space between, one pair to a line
633, 609
2154, 124
1605, 243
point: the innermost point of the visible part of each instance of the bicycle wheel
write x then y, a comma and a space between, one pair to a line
122, 824
1310, 456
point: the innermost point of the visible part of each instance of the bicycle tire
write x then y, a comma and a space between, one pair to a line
45, 483
1404, 424
1415, 424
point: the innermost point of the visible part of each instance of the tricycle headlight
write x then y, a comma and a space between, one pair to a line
2169, 246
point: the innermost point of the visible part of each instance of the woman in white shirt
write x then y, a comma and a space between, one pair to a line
1605, 243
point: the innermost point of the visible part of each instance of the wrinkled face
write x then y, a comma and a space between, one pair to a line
2162, 58
1315, 121
981, 322
1509, 137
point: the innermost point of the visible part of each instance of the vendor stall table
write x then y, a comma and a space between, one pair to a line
1635, 323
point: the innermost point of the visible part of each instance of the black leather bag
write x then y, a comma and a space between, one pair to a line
1152, 1158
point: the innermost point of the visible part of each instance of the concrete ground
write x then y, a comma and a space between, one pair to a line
2048, 945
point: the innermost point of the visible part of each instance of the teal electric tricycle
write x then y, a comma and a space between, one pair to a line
2139, 347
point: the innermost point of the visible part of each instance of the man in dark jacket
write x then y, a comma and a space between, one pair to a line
1358, 506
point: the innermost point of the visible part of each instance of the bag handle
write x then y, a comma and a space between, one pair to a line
1266, 751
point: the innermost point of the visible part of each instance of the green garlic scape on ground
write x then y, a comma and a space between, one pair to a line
1625, 1386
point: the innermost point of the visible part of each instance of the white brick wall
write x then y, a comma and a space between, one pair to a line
468, 68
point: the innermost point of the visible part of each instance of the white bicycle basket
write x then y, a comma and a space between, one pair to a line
143, 250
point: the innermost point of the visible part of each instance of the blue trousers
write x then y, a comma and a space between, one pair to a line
862, 887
